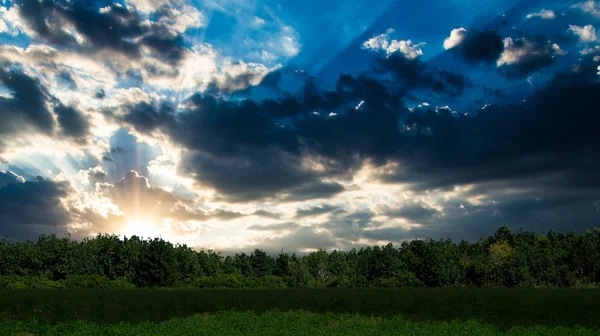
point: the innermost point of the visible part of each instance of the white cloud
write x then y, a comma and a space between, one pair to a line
184, 17
3, 25
383, 42
199, 67
147, 6
275, 45
378, 42
255, 72
257, 22
590, 7
10, 22
516, 51
48, 63
290, 46
543, 14
456, 37
176, 14
409, 50
586, 33
267, 56
588, 51
272, 39
204, 65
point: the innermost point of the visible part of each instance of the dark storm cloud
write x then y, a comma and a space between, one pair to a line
41, 16
72, 122
459, 219
287, 107
316, 210
241, 151
415, 212
226, 215
255, 127
9, 177
100, 94
314, 190
245, 154
245, 125
550, 137
496, 93
415, 74
350, 226
479, 46
267, 214
373, 132
115, 27
347, 93
31, 207
274, 227
26, 108
146, 117
257, 174
471, 222
164, 43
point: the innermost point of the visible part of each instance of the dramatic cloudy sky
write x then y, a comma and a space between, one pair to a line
297, 125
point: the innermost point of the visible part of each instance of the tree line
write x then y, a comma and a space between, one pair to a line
504, 259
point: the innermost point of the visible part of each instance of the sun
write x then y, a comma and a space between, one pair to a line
141, 228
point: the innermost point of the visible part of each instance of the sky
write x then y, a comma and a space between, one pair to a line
297, 125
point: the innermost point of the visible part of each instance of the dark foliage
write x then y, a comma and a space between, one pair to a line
505, 259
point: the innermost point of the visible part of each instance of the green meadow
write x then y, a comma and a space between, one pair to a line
283, 323
326, 311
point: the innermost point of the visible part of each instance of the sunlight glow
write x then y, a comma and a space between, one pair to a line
141, 228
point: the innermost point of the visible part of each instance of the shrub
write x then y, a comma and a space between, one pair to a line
315, 283
408, 279
95, 281
267, 281
402, 279
13, 282
219, 281
185, 283
340, 281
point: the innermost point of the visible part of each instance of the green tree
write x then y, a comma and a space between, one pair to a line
262, 263
157, 264
299, 275
243, 264
282, 265
317, 266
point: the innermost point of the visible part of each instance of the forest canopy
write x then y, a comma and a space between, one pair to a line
505, 259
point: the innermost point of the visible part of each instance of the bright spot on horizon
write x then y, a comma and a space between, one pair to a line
140, 227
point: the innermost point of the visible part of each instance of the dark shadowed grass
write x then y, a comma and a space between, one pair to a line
501, 308
283, 323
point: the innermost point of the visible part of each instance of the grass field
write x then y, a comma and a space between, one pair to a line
283, 323
494, 309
